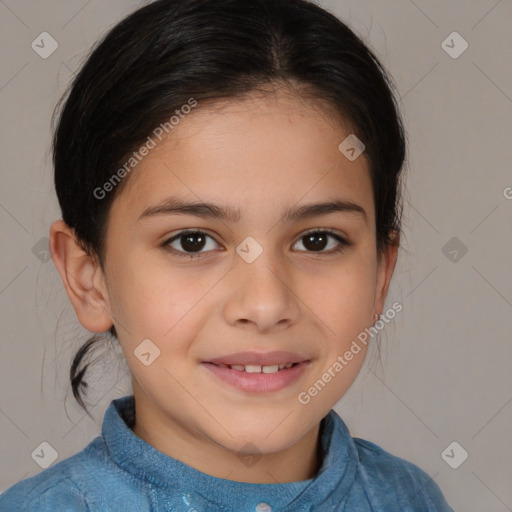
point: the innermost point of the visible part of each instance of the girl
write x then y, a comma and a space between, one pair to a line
229, 178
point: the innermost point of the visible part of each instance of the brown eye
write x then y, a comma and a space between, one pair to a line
319, 240
316, 241
188, 243
192, 242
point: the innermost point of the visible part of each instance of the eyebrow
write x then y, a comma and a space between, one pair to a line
176, 206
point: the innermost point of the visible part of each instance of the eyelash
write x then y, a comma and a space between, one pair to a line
343, 243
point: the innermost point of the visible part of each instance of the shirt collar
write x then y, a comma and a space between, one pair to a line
191, 488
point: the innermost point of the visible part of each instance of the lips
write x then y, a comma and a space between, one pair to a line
256, 368
258, 382
262, 359
259, 372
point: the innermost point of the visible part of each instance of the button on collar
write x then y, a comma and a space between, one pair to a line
263, 507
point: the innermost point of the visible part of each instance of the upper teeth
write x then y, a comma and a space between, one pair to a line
255, 368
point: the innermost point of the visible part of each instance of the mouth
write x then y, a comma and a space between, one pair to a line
255, 368
258, 372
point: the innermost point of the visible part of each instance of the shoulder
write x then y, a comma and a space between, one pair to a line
388, 475
60, 487
45, 491
89, 481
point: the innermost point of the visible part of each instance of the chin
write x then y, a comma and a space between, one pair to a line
260, 438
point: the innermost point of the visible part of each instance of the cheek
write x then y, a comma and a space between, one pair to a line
140, 298
161, 303
156, 304
151, 306
343, 298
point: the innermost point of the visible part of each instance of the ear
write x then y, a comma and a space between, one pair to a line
386, 262
82, 277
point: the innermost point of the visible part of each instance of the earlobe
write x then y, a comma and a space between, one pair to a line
385, 268
82, 277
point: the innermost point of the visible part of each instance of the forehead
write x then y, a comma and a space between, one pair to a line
257, 152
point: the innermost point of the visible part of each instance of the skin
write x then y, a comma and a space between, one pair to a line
261, 154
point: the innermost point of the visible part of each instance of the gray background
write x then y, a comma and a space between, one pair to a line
445, 359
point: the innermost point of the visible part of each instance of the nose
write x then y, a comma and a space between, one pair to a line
261, 295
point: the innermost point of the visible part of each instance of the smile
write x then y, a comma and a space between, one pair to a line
254, 368
257, 379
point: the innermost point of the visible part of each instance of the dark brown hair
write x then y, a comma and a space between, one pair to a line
152, 62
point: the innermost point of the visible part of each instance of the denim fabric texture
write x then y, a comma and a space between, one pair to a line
119, 472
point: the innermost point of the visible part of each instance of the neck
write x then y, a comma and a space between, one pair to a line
300, 461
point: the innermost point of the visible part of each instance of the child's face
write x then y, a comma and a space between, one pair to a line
262, 157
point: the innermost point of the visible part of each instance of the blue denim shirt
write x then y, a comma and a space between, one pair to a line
119, 472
